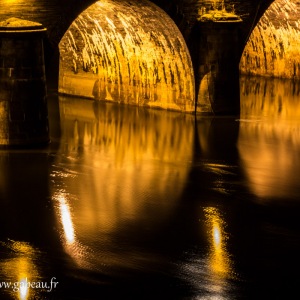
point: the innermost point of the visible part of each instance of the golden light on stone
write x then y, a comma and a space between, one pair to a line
216, 11
12, 1
127, 53
273, 46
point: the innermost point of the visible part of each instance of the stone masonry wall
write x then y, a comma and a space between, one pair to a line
273, 47
57, 15
128, 53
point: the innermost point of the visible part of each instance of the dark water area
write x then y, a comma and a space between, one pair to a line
130, 203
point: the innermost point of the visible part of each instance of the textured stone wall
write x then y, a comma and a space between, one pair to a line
128, 53
273, 47
271, 50
57, 15
214, 49
23, 107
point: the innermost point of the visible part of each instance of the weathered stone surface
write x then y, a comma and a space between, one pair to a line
273, 47
214, 49
16, 23
128, 53
57, 15
23, 105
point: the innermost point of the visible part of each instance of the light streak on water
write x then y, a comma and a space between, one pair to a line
66, 220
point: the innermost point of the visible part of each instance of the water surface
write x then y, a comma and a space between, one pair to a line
155, 204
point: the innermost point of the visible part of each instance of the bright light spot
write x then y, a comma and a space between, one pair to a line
23, 291
13, 1
20, 269
66, 220
217, 235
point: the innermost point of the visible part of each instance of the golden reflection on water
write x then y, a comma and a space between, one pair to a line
112, 171
269, 137
219, 258
20, 268
209, 270
68, 236
23, 289
66, 220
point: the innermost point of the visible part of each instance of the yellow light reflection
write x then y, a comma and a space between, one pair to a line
117, 151
273, 46
20, 269
112, 161
217, 237
23, 291
219, 258
66, 220
269, 144
74, 248
209, 271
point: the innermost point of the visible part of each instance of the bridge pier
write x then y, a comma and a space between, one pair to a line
23, 105
214, 48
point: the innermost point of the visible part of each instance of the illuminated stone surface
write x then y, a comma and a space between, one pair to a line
57, 15
128, 53
13, 23
273, 47
264, 56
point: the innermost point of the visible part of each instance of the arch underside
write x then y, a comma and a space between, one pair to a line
127, 53
273, 46
134, 53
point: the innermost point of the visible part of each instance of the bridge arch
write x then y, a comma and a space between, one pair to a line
129, 53
273, 46
273, 52
58, 15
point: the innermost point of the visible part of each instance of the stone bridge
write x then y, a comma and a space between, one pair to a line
57, 15
215, 47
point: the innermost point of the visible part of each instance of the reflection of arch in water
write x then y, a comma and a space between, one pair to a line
119, 167
269, 137
270, 97
129, 53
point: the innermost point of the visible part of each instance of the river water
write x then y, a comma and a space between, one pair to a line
149, 204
